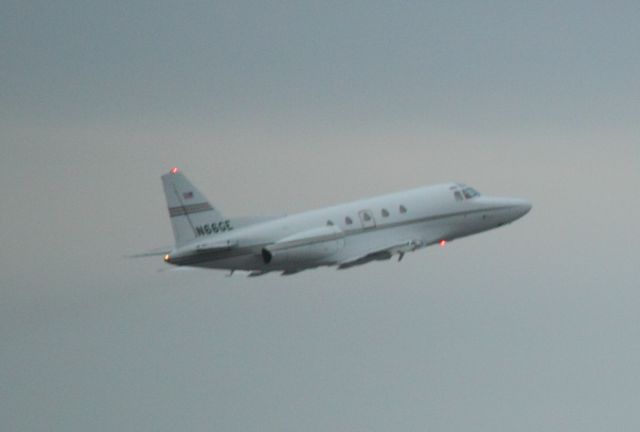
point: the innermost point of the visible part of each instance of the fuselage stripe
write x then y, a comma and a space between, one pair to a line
189, 209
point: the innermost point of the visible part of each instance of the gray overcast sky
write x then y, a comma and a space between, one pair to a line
280, 107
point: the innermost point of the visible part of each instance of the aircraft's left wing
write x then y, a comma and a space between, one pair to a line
382, 254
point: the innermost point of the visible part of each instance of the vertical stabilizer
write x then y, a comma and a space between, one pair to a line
191, 214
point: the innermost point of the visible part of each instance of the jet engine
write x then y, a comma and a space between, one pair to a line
315, 246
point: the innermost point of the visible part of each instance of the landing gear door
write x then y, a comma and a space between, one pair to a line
366, 219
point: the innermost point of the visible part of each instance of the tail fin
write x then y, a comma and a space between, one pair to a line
191, 214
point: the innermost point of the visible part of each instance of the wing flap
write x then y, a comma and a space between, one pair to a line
382, 254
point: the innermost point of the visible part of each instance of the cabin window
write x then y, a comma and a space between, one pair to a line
366, 216
329, 223
385, 213
348, 220
403, 209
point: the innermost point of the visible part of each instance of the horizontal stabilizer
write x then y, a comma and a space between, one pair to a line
161, 251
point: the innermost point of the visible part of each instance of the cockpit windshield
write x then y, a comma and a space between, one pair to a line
470, 192
463, 192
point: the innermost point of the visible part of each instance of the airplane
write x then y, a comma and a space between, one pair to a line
344, 236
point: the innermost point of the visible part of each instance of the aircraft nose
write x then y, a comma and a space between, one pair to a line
522, 207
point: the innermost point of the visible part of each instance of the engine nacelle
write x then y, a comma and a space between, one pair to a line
314, 246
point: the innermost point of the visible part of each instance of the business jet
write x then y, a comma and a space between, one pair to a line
344, 235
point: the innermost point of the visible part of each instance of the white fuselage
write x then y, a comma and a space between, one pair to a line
393, 223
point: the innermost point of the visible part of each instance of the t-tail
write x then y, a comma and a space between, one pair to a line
192, 215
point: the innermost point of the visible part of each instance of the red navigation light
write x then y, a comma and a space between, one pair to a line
174, 170
443, 243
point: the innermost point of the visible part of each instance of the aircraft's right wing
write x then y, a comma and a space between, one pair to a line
382, 254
